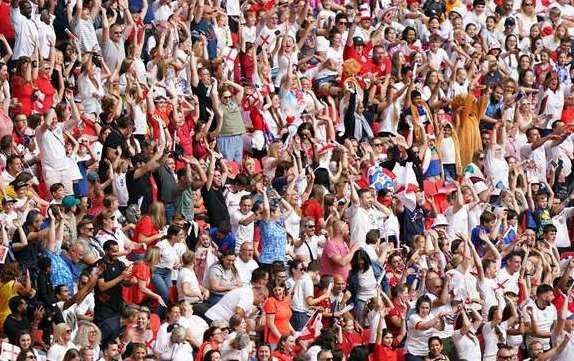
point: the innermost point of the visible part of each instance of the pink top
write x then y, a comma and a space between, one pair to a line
334, 249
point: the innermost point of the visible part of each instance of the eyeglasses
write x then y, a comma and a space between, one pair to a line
117, 32
89, 228
110, 217
68, 331
310, 226
31, 356
528, 4
377, 144
342, 22
226, 97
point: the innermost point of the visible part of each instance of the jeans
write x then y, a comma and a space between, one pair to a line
213, 299
169, 211
298, 320
161, 280
359, 311
231, 147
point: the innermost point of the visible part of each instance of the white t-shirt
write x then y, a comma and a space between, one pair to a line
487, 288
178, 352
51, 144
491, 339
242, 233
244, 270
545, 318
311, 248
362, 221
26, 34
457, 221
169, 255
538, 155
467, 345
57, 351
417, 340
302, 289
560, 221
437, 58
367, 285
507, 282
225, 308
187, 275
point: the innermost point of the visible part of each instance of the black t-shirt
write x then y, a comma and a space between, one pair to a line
109, 303
13, 327
137, 188
204, 102
215, 206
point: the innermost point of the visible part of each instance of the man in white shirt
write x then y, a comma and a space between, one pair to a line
364, 214
242, 222
536, 150
25, 30
507, 277
542, 312
52, 145
245, 264
240, 301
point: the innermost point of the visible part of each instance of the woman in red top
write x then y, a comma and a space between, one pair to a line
212, 340
396, 317
386, 343
182, 129
140, 281
285, 347
277, 313
23, 85
348, 335
148, 228
44, 85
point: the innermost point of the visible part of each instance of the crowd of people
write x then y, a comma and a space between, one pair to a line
281, 180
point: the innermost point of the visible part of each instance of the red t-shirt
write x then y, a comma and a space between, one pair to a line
44, 84
559, 301
132, 294
313, 208
350, 340
384, 353
350, 53
145, 227
397, 310
378, 70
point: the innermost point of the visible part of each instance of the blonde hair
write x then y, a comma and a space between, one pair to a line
152, 256
157, 214
84, 329
188, 258
60, 331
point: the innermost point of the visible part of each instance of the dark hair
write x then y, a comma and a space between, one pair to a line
434, 338
207, 356
549, 228
109, 244
209, 333
14, 303
422, 299
258, 274
54, 187
543, 288
173, 230
359, 353
359, 255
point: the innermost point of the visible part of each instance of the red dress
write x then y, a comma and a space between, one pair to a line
23, 92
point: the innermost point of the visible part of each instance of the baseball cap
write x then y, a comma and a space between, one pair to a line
357, 40
70, 201
509, 21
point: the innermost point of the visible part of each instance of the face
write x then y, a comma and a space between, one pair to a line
139, 354
245, 206
279, 292
174, 314
142, 320
435, 347
263, 353
424, 309
228, 261
87, 230
514, 263
25, 341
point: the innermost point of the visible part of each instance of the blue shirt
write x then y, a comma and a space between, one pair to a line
274, 241
60, 274
228, 242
